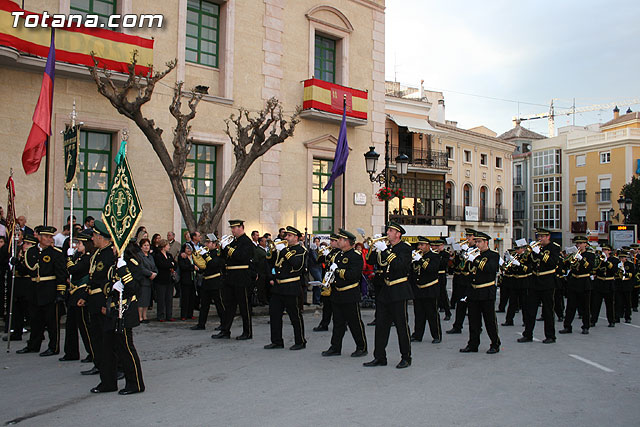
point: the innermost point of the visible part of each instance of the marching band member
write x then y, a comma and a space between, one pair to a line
392, 302
482, 295
461, 282
443, 299
23, 289
325, 295
623, 288
581, 265
604, 286
345, 297
521, 271
425, 291
378, 275
290, 266
212, 281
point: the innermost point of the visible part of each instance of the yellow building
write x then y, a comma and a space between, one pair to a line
245, 52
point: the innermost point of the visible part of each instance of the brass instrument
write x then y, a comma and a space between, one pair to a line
369, 242
534, 245
328, 279
272, 244
474, 251
416, 252
325, 250
198, 258
226, 239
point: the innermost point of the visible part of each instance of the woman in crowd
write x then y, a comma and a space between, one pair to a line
155, 243
145, 274
163, 283
141, 234
187, 282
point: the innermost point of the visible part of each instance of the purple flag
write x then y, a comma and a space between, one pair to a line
342, 151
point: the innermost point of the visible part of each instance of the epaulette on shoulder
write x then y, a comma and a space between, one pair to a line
57, 249
406, 243
358, 252
133, 261
555, 243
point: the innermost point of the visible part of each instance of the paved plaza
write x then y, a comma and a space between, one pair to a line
585, 380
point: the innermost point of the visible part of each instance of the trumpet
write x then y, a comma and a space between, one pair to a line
369, 242
533, 245
226, 239
273, 245
416, 253
474, 251
325, 250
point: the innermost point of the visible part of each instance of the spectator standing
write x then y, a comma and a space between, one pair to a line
155, 243
255, 236
163, 283
89, 222
145, 275
315, 269
174, 245
187, 283
262, 267
22, 223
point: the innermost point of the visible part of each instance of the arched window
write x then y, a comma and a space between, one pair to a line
448, 199
467, 195
483, 203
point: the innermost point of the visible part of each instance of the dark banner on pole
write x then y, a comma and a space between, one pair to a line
70, 156
11, 212
122, 208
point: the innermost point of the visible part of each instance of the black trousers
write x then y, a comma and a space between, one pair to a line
164, 298
45, 316
443, 301
461, 313
20, 310
517, 300
392, 312
234, 297
479, 310
635, 293
261, 290
96, 332
622, 304
596, 302
457, 290
326, 311
206, 296
546, 297
426, 309
77, 319
578, 300
118, 350
347, 314
277, 305
558, 303
187, 300
506, 293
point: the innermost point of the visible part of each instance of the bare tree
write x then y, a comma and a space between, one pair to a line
253, 136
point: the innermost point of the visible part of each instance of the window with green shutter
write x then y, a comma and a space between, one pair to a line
199, 177
203, 19
325, 59
102, 8
94, 175
323, 201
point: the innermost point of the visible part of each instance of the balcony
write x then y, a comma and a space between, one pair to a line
324, 101
417, 219
457, 213
603, 196
579, 227
580, 198
430, 159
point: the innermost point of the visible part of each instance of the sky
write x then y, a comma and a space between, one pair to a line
531, 52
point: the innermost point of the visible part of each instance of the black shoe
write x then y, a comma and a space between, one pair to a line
436, 341
298, 346
372, 323
376, 362
218, 328
565, 331
507, 323
454, 331
221, 335
414, 339
272, 346
592, 325
359, 353
125, 391
468, 349
321, 328
446, 318
26, 350
331, 352
493, 350
585, 331
48, 352
99, 389
195, 328
92, 371
244, 337
120, 375
13, 338
612, 325
525, 339
548, 341
87, 359
68, 359
635, 309
627, 321
404, 363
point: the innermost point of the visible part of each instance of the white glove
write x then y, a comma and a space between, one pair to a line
70, 251
202, 251
578, 257
280, 246
417, 256
333, 267
225, 242
380, 246
536, 249
621, 265
500, 261
118, 286
375, 236
515, 262
313, 246
606, 258
471, 257
464, 247
121, 262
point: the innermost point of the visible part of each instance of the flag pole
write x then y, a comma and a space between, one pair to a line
46, 184
344, 180
14, 247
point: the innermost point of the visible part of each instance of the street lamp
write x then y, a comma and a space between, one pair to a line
402, 164
625, 205
371, 163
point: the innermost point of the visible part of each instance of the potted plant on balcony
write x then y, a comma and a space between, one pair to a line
385, 194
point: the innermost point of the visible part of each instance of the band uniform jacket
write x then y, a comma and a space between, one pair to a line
426, 276
238, 255
24, 286
212, 277
326, 261
521, 274
129, 299
625, 278
78, 267
545, 266
346, 285
483, 276
290, 266
47, 268
580, 272
397, 268
606, 274
461, 276
101, 262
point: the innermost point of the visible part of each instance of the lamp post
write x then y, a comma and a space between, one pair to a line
625, 205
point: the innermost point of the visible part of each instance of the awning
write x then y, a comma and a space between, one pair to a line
414, 124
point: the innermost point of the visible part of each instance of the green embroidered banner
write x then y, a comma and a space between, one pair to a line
70, 156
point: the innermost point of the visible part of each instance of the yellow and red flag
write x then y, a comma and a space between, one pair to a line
329, 97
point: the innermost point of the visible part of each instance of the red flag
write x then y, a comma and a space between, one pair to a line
36, 147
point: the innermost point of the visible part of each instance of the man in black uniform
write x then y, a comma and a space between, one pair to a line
285, 290
325, 294
482, 296
46, 266
212, 281
545, 257
425, 291
581, 266
23, 289
345, 297
396, 261
521, 272
603, 287
443, 300
623, 288
461, 282
238, 281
